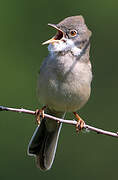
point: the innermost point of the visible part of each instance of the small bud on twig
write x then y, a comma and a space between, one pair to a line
72, 122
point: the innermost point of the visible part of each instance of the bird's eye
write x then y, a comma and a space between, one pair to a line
73, 32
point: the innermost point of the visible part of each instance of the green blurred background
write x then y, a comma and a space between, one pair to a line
23, 27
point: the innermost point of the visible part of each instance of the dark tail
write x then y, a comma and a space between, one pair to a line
44, 143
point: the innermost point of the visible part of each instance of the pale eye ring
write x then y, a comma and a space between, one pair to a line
73, 33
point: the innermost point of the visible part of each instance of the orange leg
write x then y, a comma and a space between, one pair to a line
80, 122
39, 114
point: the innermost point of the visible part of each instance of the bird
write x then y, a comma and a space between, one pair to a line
64, 85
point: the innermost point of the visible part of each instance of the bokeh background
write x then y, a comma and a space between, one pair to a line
23, 27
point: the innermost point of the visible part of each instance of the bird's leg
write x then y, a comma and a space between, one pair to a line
39, 114
80, 122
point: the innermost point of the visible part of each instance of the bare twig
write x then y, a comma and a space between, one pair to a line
73, 122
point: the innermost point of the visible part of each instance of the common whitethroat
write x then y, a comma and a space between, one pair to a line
64, 85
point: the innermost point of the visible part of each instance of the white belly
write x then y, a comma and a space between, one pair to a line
64, 85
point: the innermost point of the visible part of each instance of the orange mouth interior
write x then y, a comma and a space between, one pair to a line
59, 35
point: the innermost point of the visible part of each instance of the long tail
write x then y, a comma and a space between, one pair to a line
44, 141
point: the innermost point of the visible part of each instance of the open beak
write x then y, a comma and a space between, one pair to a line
59, 35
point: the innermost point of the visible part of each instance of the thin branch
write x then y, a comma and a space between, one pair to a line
72, 122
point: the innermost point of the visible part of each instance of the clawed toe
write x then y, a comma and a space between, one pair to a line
80, 123
39, 114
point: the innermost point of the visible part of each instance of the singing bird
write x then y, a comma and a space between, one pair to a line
64, 85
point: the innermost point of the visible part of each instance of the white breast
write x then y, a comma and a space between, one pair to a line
64, 83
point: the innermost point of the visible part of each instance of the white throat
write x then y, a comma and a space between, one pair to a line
64, 46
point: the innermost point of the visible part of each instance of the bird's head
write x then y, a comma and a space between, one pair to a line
71, 34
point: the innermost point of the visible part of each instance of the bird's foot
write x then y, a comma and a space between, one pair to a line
80, 122
39, 114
